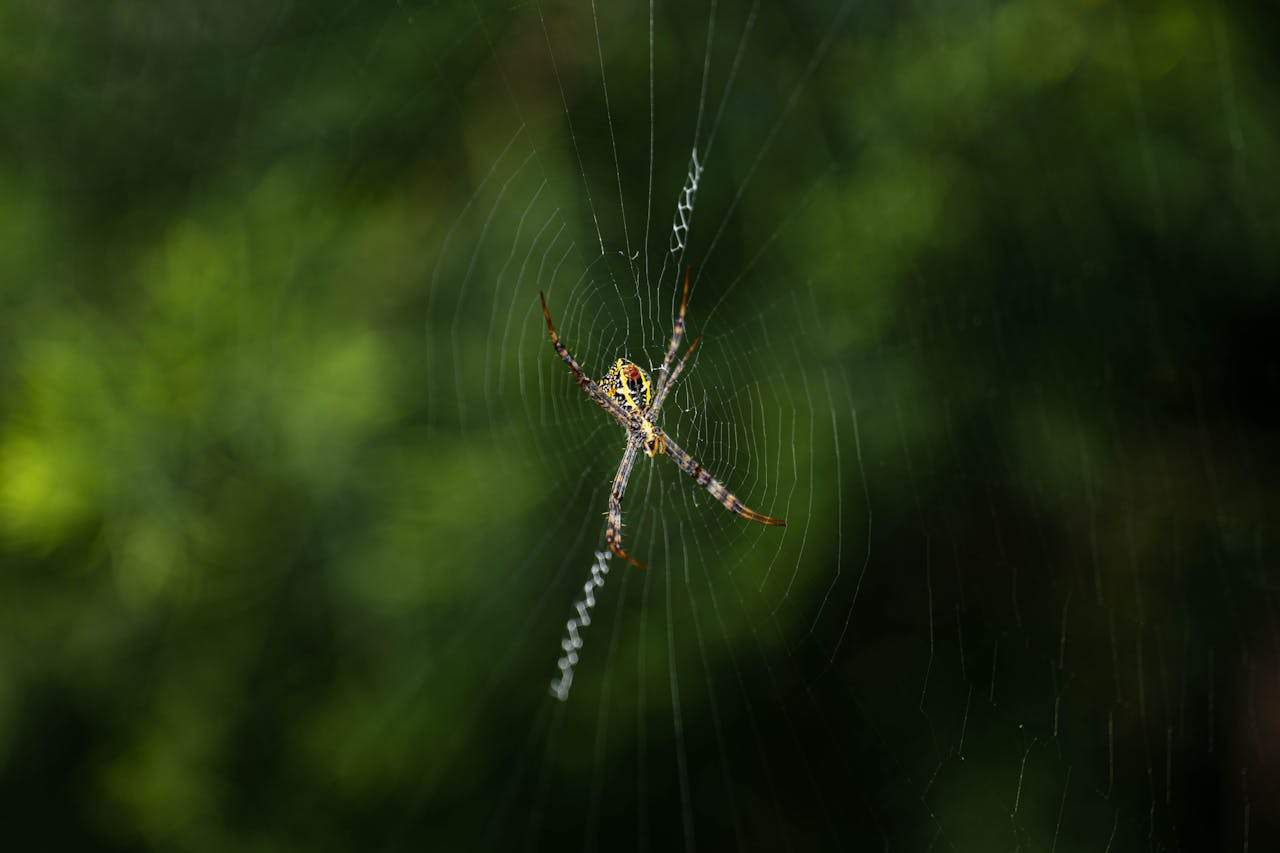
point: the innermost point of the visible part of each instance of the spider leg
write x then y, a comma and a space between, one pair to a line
675, 374
677, 335
613, 527
717, 489
588, 385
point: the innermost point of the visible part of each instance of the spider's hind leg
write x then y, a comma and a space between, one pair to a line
613, 524
613, 535
727, 499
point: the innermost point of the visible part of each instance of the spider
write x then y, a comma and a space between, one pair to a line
628, 395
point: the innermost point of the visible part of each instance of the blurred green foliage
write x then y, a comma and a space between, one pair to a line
279, 569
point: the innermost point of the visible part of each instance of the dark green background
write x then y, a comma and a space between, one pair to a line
294, 499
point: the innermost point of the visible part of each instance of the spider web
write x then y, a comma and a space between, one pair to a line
971, 670
984, 294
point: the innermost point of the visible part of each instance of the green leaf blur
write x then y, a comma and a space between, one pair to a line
279, 572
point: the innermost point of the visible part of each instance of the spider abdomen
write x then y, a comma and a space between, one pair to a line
629, 385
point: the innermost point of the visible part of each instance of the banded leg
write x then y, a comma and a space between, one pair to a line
717, 489
613, 527
671, 383
677, 335
589, 387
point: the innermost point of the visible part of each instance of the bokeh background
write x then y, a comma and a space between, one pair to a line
294, 501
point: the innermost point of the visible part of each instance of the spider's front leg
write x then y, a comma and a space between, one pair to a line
588, 385
677, 335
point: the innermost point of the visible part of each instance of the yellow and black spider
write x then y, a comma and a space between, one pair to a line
627, 394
